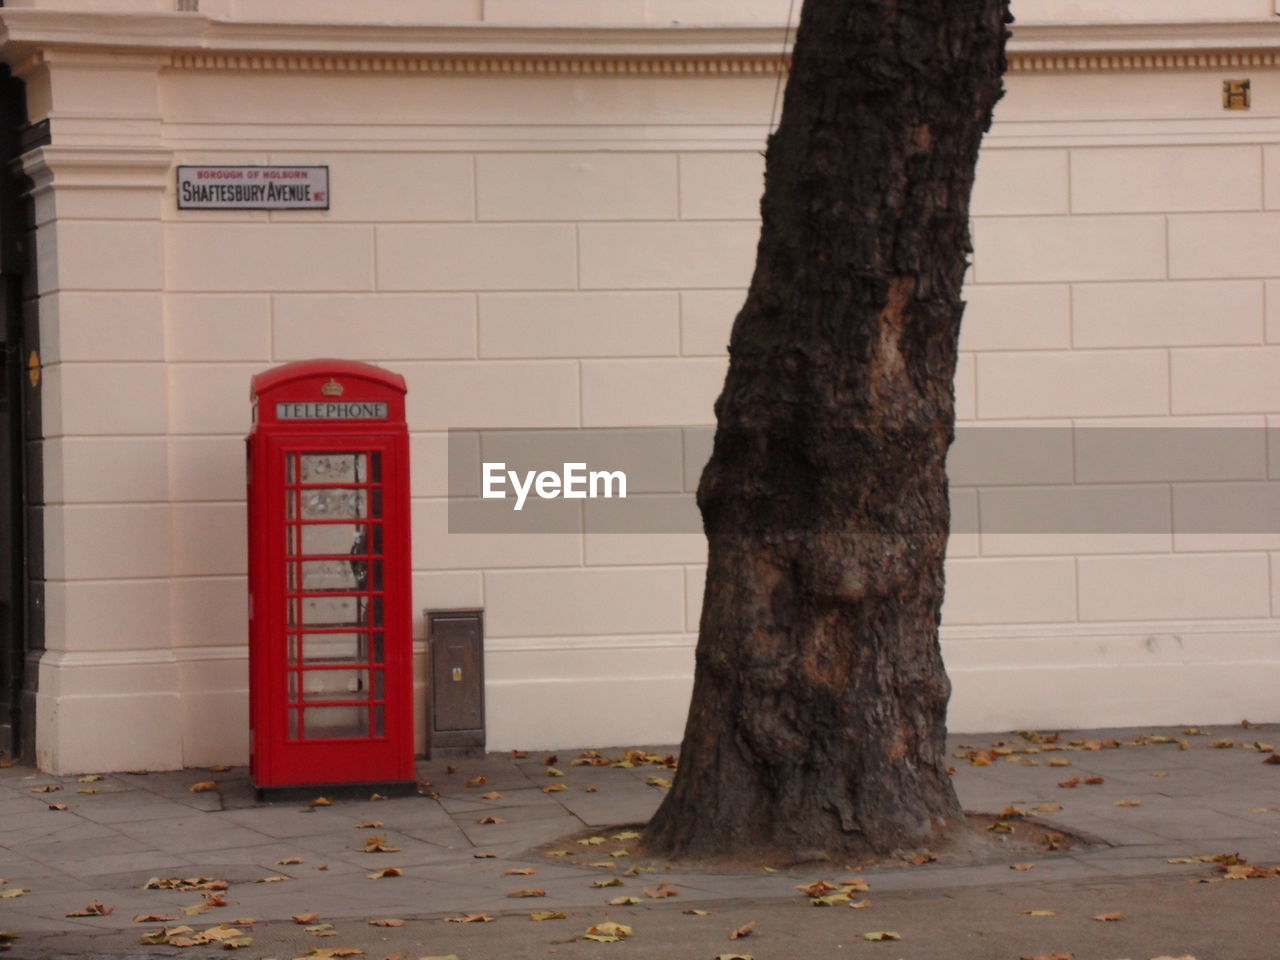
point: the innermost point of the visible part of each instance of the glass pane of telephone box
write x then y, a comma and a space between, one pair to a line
319, 576
323, 723
333, 538
335, 648
330, 685
324, 503
338, 612
334, 468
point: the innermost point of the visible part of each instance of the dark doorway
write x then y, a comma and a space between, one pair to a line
18, 420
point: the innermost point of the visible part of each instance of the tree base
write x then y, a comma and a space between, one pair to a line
982, 838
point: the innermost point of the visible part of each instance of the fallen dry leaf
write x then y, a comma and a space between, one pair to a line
57, 806
591, 789
1051, 956
305, 918
185, 883
89, 778
734, 956
817, 888
388, 872
696, 913
1244, 871
491, 795
661, 782
831, 900
662, 890
743, 931
591, 841
624, 901
554, 788
1128, 803
1109, 917
1069, 784
386, 922
1047, 807
608, 932
611, 882
1022, 866
483, 856
484, 820
1094, 781
479, 781
369, 825
859, 904
1039, 913
471, 918
1274, 758
275, 879
95, 909
153, 918
551, 759
553, 772
374, 844
879, 935
376, 797
1059, 762
289, 861
47, 788
11, 893
528, 892
204, 786
519, 872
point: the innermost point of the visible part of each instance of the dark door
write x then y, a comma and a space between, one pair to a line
17, 410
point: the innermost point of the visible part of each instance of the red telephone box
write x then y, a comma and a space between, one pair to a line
330, 623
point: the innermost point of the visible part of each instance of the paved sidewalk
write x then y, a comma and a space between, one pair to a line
1155, 801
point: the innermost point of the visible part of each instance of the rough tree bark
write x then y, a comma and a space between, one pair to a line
817, 723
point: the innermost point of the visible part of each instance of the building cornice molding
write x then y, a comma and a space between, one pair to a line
187, 41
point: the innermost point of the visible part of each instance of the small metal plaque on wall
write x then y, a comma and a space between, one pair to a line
1235, 95
253, 188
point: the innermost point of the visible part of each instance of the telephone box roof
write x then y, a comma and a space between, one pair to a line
302, 369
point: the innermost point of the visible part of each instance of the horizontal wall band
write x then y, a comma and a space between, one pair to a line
717, 66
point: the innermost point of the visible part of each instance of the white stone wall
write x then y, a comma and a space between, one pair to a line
569, 250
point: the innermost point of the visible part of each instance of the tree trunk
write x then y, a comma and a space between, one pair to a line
818, 717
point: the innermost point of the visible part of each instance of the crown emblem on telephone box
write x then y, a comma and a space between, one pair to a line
332, 389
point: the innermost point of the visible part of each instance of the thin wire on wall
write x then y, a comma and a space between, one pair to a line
782, 67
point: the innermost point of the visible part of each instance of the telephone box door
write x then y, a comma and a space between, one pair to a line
336, 668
